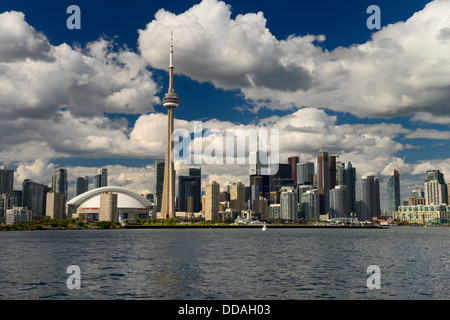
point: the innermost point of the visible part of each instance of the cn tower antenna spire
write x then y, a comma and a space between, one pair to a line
171, 67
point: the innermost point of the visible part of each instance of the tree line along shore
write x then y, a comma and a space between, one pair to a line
73, 224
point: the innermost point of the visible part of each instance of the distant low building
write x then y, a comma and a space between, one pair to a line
274, 211
423, 214
18, 214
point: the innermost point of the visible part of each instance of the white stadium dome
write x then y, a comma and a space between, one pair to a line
125, 198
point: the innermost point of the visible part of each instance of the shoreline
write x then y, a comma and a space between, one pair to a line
269, 226
192, 226
212, 226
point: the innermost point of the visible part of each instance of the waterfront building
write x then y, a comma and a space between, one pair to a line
305, 173
212, 200
55, 205
393, 192
59, 181
367, 198
310, 204
7, 201
189, 190
7, 196
159, 165
423, 214
274, 211
289, 205
17, 214
130, 205
339, 202
82, 185
6, 180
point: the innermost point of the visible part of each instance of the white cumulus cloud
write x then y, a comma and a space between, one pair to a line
403, 69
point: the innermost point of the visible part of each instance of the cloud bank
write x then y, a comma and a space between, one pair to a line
53, 98
39, 79
404, 69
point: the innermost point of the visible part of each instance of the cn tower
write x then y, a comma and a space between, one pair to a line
170, 101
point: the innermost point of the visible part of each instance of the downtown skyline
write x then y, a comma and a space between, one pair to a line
102, 104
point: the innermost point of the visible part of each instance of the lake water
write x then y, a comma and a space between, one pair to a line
279, 264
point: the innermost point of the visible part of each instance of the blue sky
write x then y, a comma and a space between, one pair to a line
335, 98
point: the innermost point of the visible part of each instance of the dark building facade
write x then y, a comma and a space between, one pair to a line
367, 198
393, 192
159, 181
189, 190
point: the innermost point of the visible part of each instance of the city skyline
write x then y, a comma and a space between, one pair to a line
348, 194
64, 125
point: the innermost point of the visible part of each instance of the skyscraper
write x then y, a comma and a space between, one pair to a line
189, 190
170, 102
339, 202
212, 200
310, 204
82, 185
367, 198
159, 182
261, 205
293, 161
34, 196
101, 178
332, 170
435, 188
393, 192
305, 173
288, 204
59, 181
324, 181
237, 196
448, 193
55, 205
346, 175
256, 187
6, 180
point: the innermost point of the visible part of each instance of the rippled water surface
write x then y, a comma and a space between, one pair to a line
226, 263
